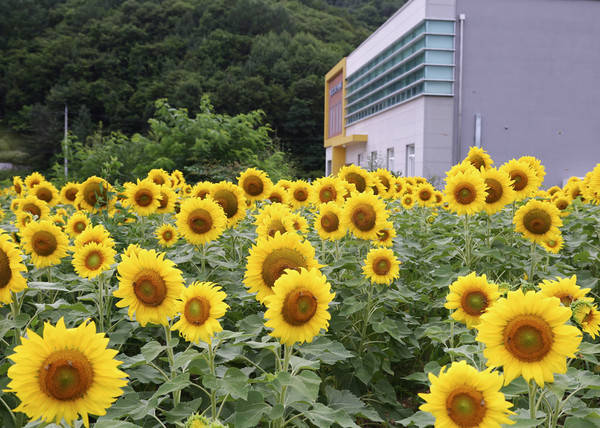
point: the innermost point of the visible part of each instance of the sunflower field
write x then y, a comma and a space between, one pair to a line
358, 300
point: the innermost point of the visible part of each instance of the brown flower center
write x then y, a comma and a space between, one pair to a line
275, 226
33, 209
71, 194
537, 221
519, 179
149, 287
494, 191
95, 193
253, 185
382, 266
143, 197
327, 193
197, 310
566, 299
164, 201
589, 317
330, 222
300, 195
94, 260
358, 181
44, 243
66, 375
299, 307
466, 407
425, 195
5, 270
276, 198
278, 261
474, 303
561, 204
477, 161
528, 338
44, 194
167, 235
465, 193
228, 202
158, 179
200, 221
385, 182
18, 188
363, 217
383, 235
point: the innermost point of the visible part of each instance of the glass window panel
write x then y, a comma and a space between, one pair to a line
436, 72
440, 42
438, 87
439, 57
440, 27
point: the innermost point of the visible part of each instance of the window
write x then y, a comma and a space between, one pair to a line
373, 161
389, 160
361, 159
328, 168
410, 160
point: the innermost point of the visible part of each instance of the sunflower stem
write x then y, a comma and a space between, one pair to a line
468, 241
287, 354
213, 392
365, 322
12, 415
337, 249
171, 357
532, 266
101, 302
532, 391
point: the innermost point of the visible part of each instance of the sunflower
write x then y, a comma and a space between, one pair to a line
286, 184
551, 191
464, 397
46, 243
553, 244
299, 192
11, 268
201, 189
537, 166
461, 167
364, 215
408, 201
143, 196
387, 180
573, 189
400, 185
385, 236
95, 195
587, 317
297, 309
327, 222
199, 307
425, 194
65, 374
177, 179
299, 223
527, 334
255, 183
479, 158
279, 195
148, 286
46, 192
272, 219
22, 219
537, 221
35, 206
33, 179
356, 175
499, 191
18, 185
566, 289
471, 296
201, 220
271, 257
91, 260
132, 249
381, 266
562, 202
231, 198
167, 200
97, 234
327, 189
167, 235
523, 177
160, 177
465, 192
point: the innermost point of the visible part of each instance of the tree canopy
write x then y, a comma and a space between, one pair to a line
110, 60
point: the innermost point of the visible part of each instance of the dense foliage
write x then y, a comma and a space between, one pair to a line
109, 61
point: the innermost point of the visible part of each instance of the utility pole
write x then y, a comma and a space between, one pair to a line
66, 143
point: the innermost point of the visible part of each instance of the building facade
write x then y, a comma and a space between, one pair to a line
515, 77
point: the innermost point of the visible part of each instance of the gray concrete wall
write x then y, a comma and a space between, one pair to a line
531, 68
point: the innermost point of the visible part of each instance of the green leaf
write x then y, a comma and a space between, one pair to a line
115, 424
183, 359
248, 413
573, 422
419, 419
151, 350
183, 410
395, 328
306, 384
235, 383
176, 384
323, 416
